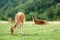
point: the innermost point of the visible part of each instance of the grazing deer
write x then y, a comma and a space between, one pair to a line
39, 21
19, 20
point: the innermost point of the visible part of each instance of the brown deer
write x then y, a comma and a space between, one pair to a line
19, 20
10, 20
39, 21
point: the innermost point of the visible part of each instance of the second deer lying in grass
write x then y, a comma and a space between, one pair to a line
19, 20
39, 21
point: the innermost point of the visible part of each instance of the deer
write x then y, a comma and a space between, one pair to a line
10, 20
19, 21
40, 22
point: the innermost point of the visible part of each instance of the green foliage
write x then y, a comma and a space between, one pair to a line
42, 9
53, 13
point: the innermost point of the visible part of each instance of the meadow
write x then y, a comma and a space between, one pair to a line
32, 31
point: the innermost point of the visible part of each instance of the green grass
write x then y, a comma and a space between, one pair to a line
31, 32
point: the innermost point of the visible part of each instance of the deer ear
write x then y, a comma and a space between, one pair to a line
33, 16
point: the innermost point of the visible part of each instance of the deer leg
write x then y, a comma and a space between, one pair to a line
21, 28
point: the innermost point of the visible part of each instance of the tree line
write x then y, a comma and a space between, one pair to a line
41, 9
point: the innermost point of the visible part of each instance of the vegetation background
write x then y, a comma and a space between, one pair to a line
42, 9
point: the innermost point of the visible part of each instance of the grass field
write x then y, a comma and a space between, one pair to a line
50, 31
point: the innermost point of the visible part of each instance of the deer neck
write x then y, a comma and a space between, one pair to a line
33, 19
